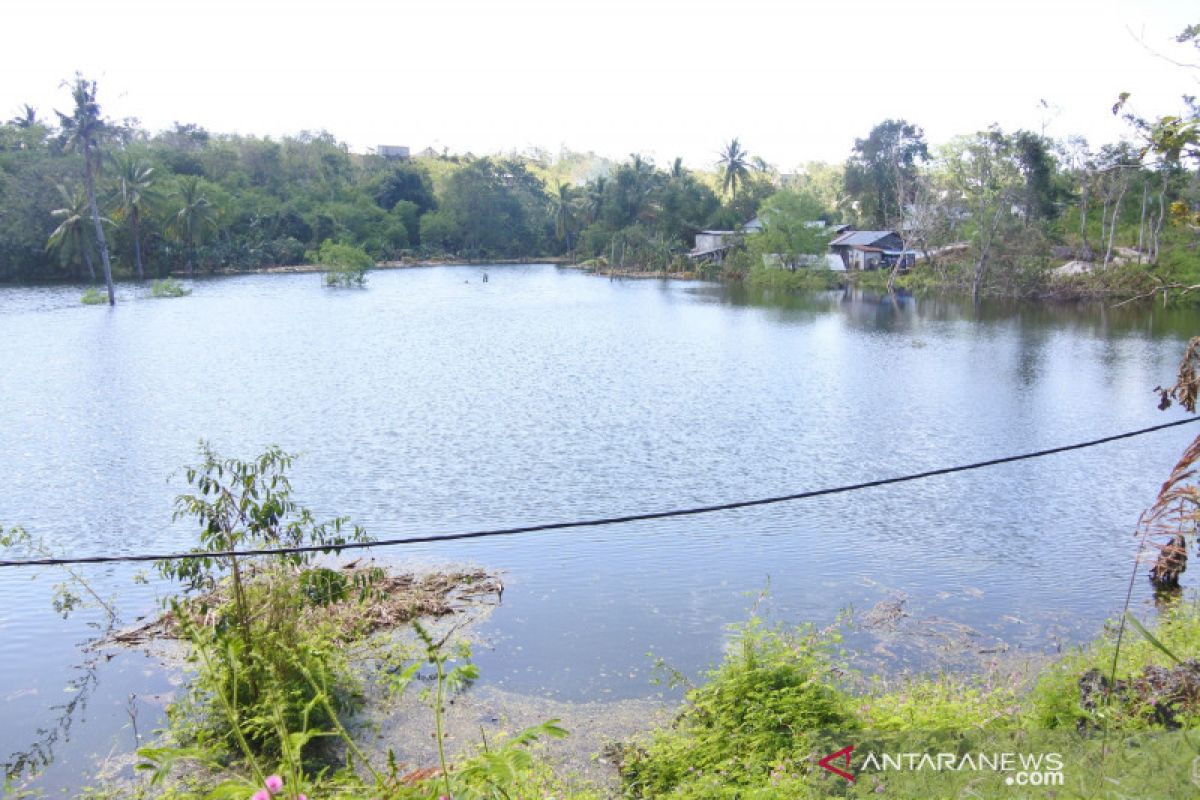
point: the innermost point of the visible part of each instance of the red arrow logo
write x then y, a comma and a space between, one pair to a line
843, 753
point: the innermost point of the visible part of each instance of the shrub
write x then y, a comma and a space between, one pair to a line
168, 287
94, 297
345, 265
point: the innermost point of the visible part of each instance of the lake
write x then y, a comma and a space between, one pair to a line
433, 403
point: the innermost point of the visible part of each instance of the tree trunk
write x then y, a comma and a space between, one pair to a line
87, 254
1112, 225
1142, 222
90, 183
1083, 211
137, 243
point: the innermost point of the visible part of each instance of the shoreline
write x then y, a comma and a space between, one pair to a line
1060, 292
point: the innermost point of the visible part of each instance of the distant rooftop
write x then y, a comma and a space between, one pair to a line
851, 238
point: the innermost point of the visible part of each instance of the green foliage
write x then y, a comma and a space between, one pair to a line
801, 280
168, 287
345, 265
793, 233
758, 712
1054, 701
881, 173
260, 654
321, 586
94, 297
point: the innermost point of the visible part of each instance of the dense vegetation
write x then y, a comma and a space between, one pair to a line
988, 211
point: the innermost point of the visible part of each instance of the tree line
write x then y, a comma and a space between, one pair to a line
85, 197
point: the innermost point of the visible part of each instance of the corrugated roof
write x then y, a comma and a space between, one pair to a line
860, 237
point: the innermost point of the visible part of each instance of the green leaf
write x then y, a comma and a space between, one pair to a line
1151, 638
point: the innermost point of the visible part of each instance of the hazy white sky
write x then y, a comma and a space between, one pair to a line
796, 81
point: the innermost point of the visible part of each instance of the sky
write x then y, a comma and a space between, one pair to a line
794, 81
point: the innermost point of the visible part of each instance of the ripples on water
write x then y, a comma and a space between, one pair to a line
433, 403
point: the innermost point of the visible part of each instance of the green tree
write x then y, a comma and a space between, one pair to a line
881, 173
793, 229
564, 205
734, 165
82, 131
194, 215
135, 191
70, 238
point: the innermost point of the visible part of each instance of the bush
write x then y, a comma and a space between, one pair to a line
760, 709
94, 297
168, 287
346, 265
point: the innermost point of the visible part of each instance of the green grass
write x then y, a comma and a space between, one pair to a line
782, 699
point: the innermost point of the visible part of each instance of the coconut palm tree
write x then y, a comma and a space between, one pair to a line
563, 204
82, 131
195, 214
734, 166
135, 190
593, 202
26, 119
70, 238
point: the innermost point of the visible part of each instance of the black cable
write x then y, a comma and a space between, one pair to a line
588, 523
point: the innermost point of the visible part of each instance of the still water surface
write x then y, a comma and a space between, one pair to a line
432, 402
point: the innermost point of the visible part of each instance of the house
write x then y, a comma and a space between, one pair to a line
872, 250
392, 151
713, 245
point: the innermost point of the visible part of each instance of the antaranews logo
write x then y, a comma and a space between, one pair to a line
1019, 769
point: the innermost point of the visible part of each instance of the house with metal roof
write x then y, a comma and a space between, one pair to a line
871, 249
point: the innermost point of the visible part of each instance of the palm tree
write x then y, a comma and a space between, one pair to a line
564, 203
194, 215
593, 203
734, 168
82, 131
70, 238
26, 119
135, 188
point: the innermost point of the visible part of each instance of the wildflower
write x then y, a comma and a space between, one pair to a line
274, 783
261, 794
301, 796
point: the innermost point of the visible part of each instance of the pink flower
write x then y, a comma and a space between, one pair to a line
261, 794
302, 796
273, 783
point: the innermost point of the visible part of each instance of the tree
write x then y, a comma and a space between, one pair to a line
793, 230
563, 208
882, 166
82, 131
135, 186
26, 119
734, 167
1039, 201
983, 170
195, 214
70, 238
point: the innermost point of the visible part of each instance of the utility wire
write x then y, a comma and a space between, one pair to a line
590, 523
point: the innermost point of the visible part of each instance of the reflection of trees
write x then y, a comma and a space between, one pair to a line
29, 762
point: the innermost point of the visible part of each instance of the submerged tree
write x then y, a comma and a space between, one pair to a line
82, 131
